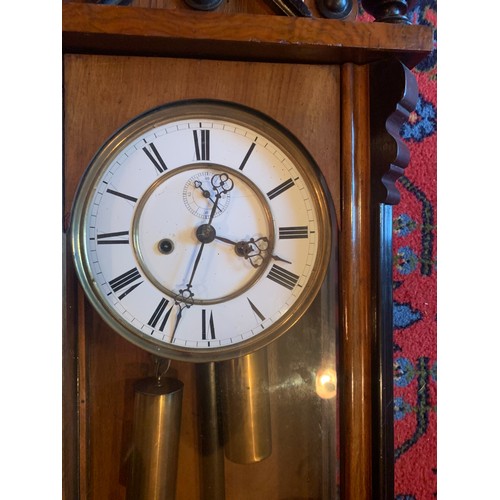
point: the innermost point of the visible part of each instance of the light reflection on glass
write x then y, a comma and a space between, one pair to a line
326, 383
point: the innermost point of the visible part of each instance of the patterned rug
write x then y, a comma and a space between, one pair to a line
415, 297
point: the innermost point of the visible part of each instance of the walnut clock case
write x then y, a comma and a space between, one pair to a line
228, 208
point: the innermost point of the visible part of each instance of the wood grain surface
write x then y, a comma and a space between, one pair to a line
355, 288
167, 32
103, 92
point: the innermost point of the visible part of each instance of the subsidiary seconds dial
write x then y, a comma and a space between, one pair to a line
201, 231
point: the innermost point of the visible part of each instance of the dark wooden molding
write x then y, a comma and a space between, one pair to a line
382, 362
393, 96
120, 30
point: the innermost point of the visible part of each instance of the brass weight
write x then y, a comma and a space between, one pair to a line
157, 419
246, 414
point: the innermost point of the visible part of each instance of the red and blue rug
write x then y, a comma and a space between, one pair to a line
415, 296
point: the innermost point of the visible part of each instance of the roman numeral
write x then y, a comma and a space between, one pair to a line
154, 156
293, 232
121, 195
158, 313
280, 189
283, 277
207, 327
113, 238
129, 278
249, 152
255, 310
202, 144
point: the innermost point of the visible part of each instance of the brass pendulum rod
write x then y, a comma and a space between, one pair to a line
211, 450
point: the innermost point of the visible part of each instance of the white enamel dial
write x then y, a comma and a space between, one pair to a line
201, 231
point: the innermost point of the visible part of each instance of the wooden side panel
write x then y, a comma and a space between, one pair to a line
355, 288
393, 95
69, 380
101, 94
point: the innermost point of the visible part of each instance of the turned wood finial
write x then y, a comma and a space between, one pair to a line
334, 9
389, 11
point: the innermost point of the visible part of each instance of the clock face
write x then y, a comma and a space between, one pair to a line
201, 231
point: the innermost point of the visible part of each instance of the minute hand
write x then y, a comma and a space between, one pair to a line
222, 184
200, 251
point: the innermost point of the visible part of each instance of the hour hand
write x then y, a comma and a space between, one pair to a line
254, 250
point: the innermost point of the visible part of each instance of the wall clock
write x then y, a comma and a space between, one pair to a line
235, 220
201, 231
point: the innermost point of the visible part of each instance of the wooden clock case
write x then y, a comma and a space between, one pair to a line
344, 89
